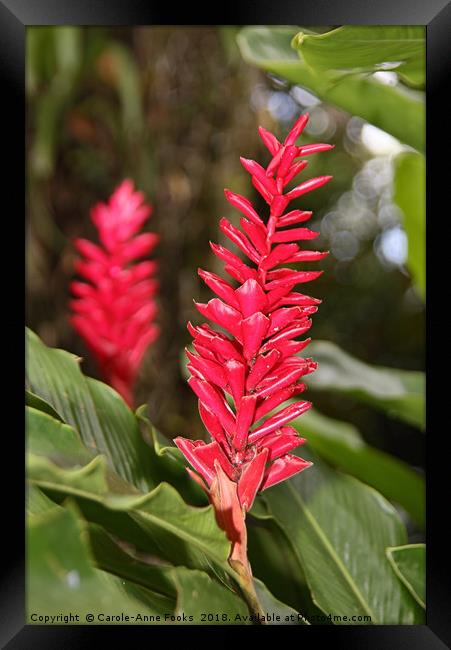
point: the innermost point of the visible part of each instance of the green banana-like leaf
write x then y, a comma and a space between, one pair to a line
275, 608
168, 463
37, 502
198, 594
274, 562
49, 437
367, 48
409, 564
340, 529
341, 445
185, 592
159, 525
41, 405
189, 594
61, 578
394, 109
159, 522
410, 196
399, 393
115, 559
103, 420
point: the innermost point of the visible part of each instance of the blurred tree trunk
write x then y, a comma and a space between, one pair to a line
197, 105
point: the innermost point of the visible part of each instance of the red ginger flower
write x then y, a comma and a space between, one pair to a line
255, 364
114, 311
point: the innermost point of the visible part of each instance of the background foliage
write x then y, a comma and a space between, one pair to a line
173, 108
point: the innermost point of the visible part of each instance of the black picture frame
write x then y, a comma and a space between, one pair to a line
15, 16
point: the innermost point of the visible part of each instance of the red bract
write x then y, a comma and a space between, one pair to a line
114, 311
244, 375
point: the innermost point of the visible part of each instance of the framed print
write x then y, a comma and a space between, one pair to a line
226, 328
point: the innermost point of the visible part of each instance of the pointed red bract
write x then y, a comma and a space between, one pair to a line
245, 377
114, 310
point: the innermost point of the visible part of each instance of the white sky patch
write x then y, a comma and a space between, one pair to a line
392, 245
378, 142
281, 106
304, 97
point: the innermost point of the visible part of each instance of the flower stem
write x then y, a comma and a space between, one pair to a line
246, 584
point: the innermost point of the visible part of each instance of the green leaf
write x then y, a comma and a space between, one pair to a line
340, 529
168, 463
98, 476
394, 109
61, 578
68, 50
61, 51
96, 411
366, 48
270, 605
49, 437
274, 562
41, 405
184, 593
399, 393
410, 196
160, 526
37, 502
169, 527
155, 578
340, 444
409, 564
195, 592
198, 594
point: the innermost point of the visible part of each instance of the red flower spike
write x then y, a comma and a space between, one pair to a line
251, 479
245, 378
114, 308
270, 141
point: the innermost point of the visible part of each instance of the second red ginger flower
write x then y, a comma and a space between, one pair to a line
114, 310
255, 366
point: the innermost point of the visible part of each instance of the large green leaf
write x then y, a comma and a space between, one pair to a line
110, 556
95, 410
341, 445
184, 592
274, 562
49, 437
168, 463
61, 578
276, 612
160, 527
340, 529
157, 522
40, 404
37, 502
169, 527
189, 594
399, 393
394, 109
204, 601
105, 422
410, 196
409, 564
367, 48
